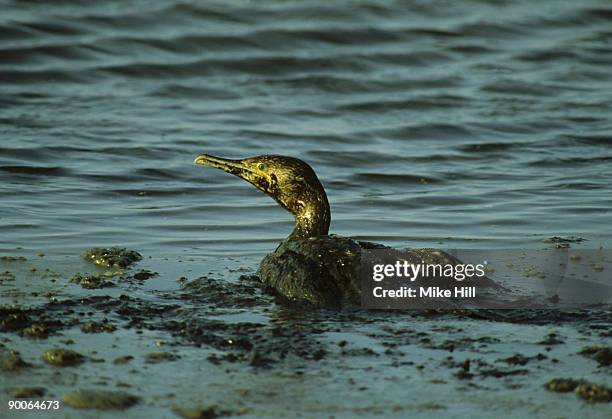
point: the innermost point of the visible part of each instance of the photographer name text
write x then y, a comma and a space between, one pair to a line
425, 292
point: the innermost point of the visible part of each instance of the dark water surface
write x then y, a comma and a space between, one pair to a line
458, 124
480, 123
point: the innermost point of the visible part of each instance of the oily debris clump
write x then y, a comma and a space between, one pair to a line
156, 357
113, 257
13, 318
62, 357
603, 355
91, 281
594, 393
144, 274
122, 360
98, 327
198, 412
36, 331
100, 399
25, 392
585, 390
562, 385
11, 360
563, 242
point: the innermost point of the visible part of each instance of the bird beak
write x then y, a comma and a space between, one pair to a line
238, 168
235, 167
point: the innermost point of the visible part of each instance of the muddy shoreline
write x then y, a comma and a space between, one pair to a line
107, 343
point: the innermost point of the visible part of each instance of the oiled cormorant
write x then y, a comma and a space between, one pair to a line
310, 265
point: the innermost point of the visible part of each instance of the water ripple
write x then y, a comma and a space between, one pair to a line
483, 120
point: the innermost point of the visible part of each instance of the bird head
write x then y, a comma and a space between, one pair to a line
289, 181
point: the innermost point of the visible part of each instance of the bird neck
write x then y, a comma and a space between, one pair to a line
314, 217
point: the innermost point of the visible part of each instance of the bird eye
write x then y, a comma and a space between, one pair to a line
262, 166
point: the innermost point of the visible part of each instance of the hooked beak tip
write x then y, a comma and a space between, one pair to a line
201, 159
